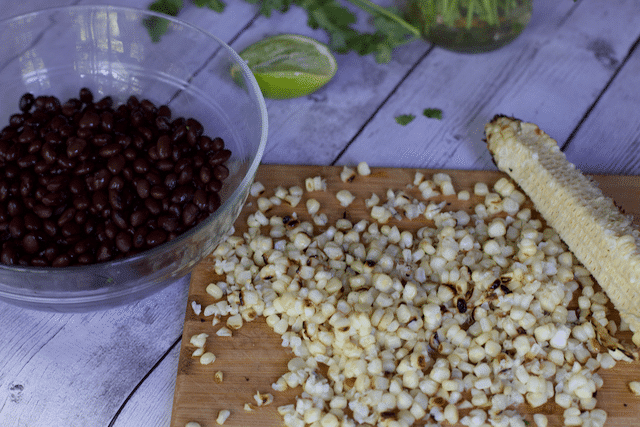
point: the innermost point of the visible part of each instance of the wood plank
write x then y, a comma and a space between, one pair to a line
150, 405
550, 76
253, 359
78, 368
609, 139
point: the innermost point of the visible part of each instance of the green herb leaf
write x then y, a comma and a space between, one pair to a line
328, 15
215, 5
158, 26
432, 113
405, 119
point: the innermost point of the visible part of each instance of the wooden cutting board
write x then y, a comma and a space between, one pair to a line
253, 358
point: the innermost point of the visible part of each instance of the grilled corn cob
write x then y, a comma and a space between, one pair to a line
598, 234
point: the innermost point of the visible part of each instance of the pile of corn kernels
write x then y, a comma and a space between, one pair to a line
460, 322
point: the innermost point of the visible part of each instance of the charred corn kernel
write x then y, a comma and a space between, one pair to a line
595, 230
347, 174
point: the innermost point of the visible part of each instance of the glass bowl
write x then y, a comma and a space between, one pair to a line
109, 50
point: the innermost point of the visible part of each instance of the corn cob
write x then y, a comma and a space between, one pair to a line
594, 229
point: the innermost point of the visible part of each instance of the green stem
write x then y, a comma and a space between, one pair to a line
377, 10
470, 8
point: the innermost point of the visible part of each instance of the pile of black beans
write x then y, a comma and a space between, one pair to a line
85, 181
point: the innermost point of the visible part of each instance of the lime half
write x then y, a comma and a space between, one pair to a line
289, 65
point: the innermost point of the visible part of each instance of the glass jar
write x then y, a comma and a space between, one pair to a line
471, 26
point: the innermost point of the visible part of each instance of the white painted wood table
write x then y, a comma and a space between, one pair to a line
575, 71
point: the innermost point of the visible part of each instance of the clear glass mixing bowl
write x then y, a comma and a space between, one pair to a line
108, 49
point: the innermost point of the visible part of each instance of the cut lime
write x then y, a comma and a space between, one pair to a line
289, 65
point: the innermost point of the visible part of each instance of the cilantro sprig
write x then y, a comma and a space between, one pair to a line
331, 16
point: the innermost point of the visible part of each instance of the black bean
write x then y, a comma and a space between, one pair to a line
106, 121
104, 253
70, 229
186, 175
14, 207
9, 256
164, 165
16, 120
182, 194
86, 96
87, 175
42, 211
66, 216
156, 237
26, 102
141, 166
101, 139
221, 172
16, 227
104, 103
110, 230
163, 146
162, 123
213, 202
82, 202
153, 206
119, 220
143, 188
219, 157
83, 246
101, 179
26, 136
200, 199
158, 192
110, 150
89, 120
75, 146
100, 200
189, 214
179, 133
30, 243
140, 237
214, 185
116, 163
168, 222
31, 221
170, 181
61, 261
123, 242
164, 111
138, 217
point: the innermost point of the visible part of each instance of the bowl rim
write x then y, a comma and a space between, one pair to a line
252, 87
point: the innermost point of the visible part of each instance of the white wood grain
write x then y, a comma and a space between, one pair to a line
150, 405
77, 369
549, 75
609, 139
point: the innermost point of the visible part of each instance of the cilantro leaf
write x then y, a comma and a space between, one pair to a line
432, 113
215, 5
405, 119
155, 26
390, 30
